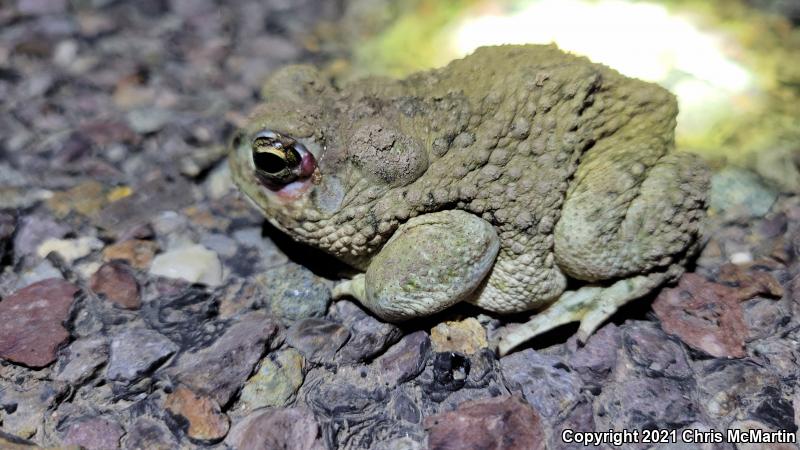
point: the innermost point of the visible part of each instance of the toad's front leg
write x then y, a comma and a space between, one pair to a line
432, 262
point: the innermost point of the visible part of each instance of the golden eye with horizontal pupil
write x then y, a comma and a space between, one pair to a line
279, 159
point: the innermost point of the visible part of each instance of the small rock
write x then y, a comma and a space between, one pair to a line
206, 423
135, 352
267, 429
634, 401
196, 163
219, 183
351, 395
31, 322
78, 361
368, 336
220, 244
87, 269
42, 271
504, 422
237, 296
174, 227
23, 409
182, 312
780, 353
150, 434
595, 360
118, 193
741, 258
544, 381
94, 433
148, 120
138, 253
294, 293
317, 339
70, 249
466, 336
449, 372
33, 230
221, 369
117, 283
740, 194
87, 199
65, 52
194, 263
276, 380
648, 348
764, 317
750, 280
706, 316
404, 360
728, 388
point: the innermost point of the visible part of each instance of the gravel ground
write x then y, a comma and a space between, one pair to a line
145, 305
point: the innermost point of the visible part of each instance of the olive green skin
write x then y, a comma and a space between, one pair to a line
569, 163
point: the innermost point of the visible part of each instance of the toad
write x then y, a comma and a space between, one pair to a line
517, 178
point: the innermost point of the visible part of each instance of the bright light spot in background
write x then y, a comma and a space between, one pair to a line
642, 40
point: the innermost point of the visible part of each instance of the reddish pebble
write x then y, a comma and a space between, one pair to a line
117, 284
500, 423
31, 322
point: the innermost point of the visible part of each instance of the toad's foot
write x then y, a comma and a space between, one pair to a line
354, 287
591, 305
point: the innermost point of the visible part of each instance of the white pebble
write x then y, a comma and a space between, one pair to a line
741, 258
69, 249
87, 269
194, 263
65, 53
219, 182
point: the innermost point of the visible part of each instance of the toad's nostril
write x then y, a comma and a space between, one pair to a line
269, 162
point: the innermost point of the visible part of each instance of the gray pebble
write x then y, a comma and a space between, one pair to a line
317, 339
293, 293
136, 351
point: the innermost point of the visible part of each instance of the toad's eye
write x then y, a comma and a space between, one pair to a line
279, 159
271, 156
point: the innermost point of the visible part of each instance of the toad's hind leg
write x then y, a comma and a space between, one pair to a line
630, 220
628, 217
590, 305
